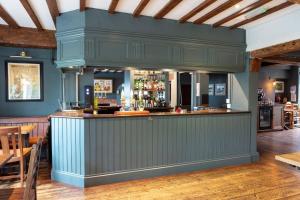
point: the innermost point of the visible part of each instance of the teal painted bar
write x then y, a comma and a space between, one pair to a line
88, 152
120, 40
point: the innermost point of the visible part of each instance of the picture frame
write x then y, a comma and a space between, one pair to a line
103, 86
220, 89
211, 89
279, 86
24, 81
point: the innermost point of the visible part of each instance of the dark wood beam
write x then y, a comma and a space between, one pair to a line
277, 49
243, 11
27, 37
53, 8
281, 62
82, 6
7, 18
196, 10
216, 11
287, 60
112, 6
167, 8
295, 1
255, 65
140, 8
277, 65
266, 13
31, 13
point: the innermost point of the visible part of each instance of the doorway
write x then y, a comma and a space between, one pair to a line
185, 90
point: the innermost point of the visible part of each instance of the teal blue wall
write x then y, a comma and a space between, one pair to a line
52, 83
267, 75
118, 80
218, 101
87, 79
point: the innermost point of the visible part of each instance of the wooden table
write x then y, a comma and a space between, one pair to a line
24, 129
290, 158
4, 158
27, 129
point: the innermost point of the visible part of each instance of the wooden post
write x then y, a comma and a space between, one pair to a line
255, 64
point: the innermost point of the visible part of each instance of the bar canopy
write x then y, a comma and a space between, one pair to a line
122, 41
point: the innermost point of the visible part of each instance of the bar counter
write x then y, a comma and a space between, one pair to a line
88, 149
81, 115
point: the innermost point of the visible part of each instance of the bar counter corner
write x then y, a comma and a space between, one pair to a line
89, 150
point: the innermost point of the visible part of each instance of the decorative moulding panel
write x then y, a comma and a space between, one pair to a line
120, 41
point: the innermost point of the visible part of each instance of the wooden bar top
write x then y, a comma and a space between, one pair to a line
81, 115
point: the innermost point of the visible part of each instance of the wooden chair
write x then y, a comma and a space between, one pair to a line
12, 143
37, 127
29, 192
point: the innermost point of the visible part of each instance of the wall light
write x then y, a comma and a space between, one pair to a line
22, 54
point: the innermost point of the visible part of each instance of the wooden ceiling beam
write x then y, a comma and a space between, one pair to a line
283, 60
216, 11
7, 18
31, 13
82, 5
243, 11
113, 6
167, 8
276, 65
295, 1
53, 8
140, 8
196, 10
266, 13
27, 37
277, 49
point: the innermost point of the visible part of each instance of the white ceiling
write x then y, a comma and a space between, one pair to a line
16, 10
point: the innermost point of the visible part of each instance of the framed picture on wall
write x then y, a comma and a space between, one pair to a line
220, 89
24, 81
211, 89
279, 86
103, 86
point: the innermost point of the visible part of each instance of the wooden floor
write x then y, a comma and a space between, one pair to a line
267, 179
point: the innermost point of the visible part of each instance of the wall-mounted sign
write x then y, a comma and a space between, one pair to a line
279, 86
103, 86
220, 89
24, 81
293, 93
197, 89
211, 89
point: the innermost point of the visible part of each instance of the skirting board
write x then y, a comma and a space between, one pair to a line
87, 181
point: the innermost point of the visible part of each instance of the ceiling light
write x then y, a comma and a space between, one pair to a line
256, 12
237, 6
112, 70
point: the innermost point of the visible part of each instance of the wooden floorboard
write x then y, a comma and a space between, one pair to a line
267, 179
